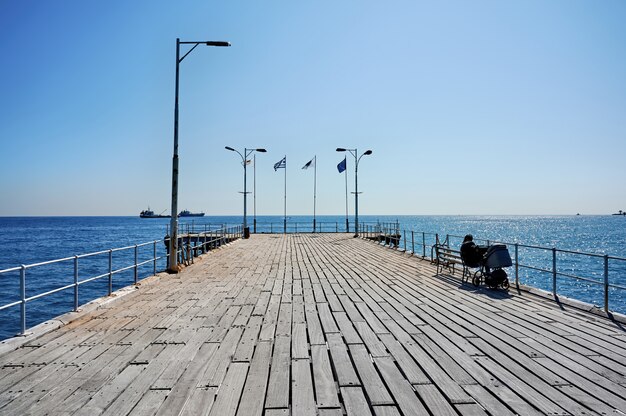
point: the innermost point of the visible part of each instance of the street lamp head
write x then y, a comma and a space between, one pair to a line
261, 150
368, 152
229, 148
341, 149
217, 43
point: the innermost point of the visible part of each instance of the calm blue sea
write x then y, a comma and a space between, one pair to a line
28, 240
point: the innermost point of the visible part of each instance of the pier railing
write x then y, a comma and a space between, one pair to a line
51, 278
560, 272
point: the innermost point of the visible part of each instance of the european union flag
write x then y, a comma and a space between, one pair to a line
282, 164
342, 165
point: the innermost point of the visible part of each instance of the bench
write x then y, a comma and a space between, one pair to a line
449, 258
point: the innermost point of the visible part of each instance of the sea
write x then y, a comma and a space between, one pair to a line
31, 240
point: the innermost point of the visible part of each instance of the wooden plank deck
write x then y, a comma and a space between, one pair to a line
319, 324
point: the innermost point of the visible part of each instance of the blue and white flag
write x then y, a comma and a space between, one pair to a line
310, 163
282, 164
342, 165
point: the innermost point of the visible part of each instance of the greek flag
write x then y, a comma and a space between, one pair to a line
342, 165
282, 164
310, 163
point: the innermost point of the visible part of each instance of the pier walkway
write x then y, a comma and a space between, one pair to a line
319, 324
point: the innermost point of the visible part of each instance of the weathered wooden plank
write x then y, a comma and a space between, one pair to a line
325, 387
253, 396
314, 327
386, 411
326, 317
355, 402
346, 375
299, 345
215, 371
227, 399
347, 329
372, 383
199, 402
279, 383
400, 388
470, 410
270, 319
374, 345
248, 340
412, 372
434, 400
303, 400
185, 387
283, 326
149, 403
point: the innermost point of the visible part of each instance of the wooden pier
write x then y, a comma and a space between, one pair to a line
319, 324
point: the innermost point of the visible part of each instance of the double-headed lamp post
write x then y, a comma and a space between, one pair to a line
173, 243
354, 153
244, 161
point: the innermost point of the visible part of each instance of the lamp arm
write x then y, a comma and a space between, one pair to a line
189, 51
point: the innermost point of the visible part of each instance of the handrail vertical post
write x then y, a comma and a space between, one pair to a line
412, 242
404, 233
110, 272
154, 259
606, 283
517, 265
136, 267
23, 298
75, 283
554, 272
423, 244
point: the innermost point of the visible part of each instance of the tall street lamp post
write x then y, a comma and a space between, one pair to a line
354, 153
173, 244
244, 161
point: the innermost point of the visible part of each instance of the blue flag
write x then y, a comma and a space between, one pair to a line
282, 164
342, 165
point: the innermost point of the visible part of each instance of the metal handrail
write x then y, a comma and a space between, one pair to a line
553, 251
204, 241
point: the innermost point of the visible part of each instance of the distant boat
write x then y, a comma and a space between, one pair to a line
148, 213
186, 213
620, 212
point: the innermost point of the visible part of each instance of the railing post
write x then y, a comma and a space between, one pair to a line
404, 232
136, 257
110, 272
154, 259
336, 227
554, 271
606, 284
23, 298
75, 283
517, 265
412, 243
423, 245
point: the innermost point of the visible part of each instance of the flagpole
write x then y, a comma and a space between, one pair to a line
254, 191
314, 189
347, 222
285, 218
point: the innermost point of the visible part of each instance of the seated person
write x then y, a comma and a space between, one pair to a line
471, 254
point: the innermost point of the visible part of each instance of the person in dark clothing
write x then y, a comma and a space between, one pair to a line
471, 254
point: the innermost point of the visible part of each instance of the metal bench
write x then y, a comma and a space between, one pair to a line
448, 257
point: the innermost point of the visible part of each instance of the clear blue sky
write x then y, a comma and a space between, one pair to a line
481, 107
